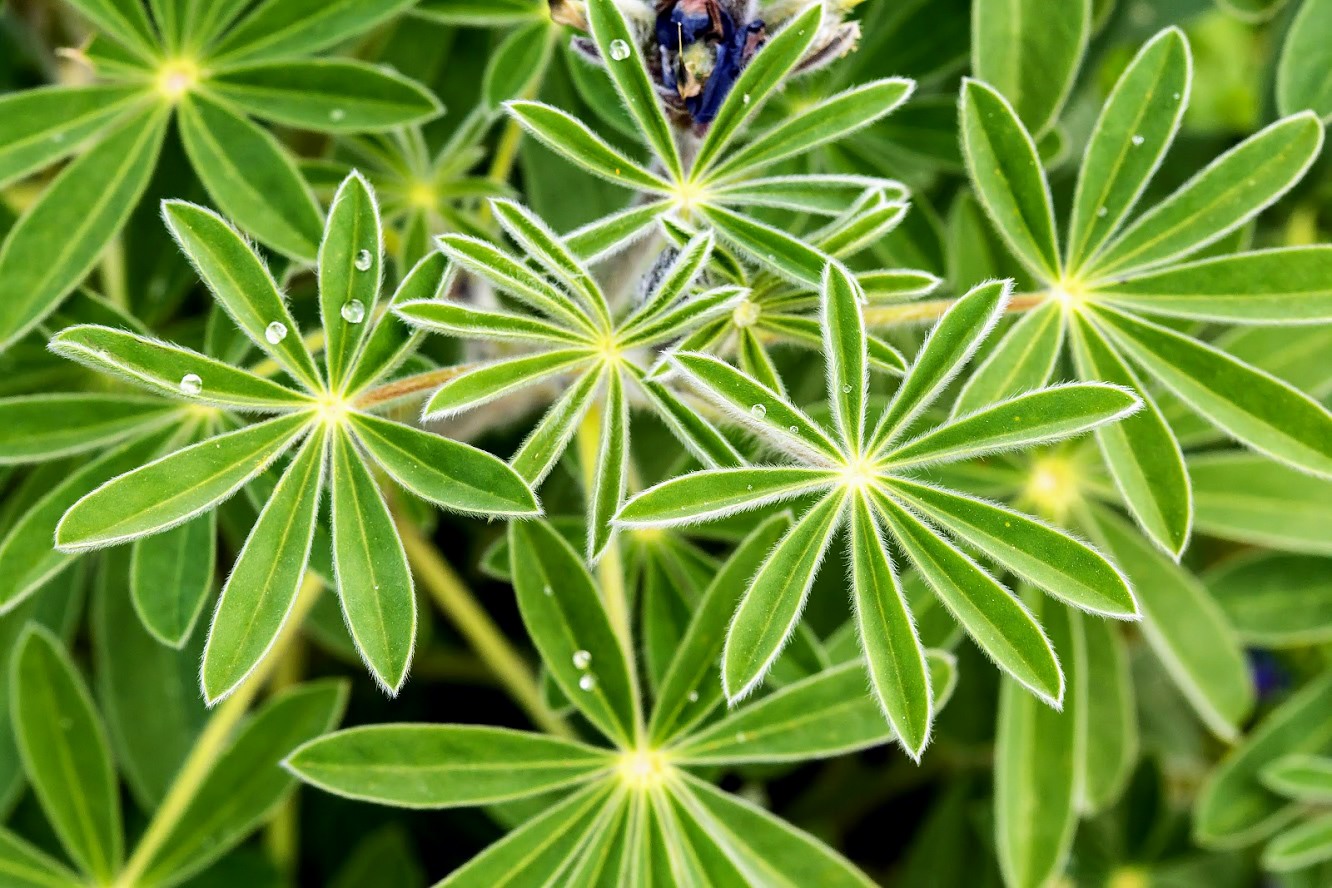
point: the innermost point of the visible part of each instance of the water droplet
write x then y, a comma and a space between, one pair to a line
758, 411
57, 137
1102, 212
275, 332
549, 591
582, 659
1138, 140
364, 260
741, 736
749, 487
693, 696
746, 98
794, 429
846, 389
336, 115
1175, 96
353, 312
587, 682
191, 384
619, 50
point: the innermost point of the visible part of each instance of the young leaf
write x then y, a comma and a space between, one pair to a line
58, 239
261, 590
374, 580
1006, 171
569, 626
443, 766
1228, 192
844, 346
246, 785
153, 497
1136, 127
770, 610
571, 138
451, 474
546, 443
894, 655
770, 247
1023, 360
64, 748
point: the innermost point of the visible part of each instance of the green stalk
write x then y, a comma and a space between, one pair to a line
212, 742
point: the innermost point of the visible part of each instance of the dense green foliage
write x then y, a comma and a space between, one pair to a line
665, 442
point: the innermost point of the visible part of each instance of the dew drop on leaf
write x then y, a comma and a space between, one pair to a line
364, 260
353, 312
758, 411
693, 696
582, 659
846, 389
1138, 140
275, 332
1102, 212
191, 384
619, 50
336, 115
587, 682
549, 591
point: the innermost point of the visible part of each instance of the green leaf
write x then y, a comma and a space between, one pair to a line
547, 442
444, 766
763, 76
1303, 777
1301, 77
949, 346
124, 21
1022, 360
1284, 285
326, 95
569, 626
674, 283
1141, 452
695, 431
374, 581
1135, 129
599, 239
251, 177
770, 247
261, 590
465, 321
512, 276
43, 125
1039, 758
247, 785
691, 687
58, 238
757, 407
478, 385
828, 194
390, 342
1234, 809
1042, 416
1227, 193
164, 369
1186, 629
153, 497
65, 751
612, 469
536, 238
1249, 498
825, 715
991, 615
569, 137
515, 68
282, 28
716, 493
1257, 409
767, 850
1301, 846
27, 559
845, 351
351, 256
1275, 600
1006, 172
534, 853
44, 427
25, 866
628, 72
1106, 687
1044, 556
171, 575
894, 655
832, 119
1030, 51
242, 285
148, 691
451, 474
770, 610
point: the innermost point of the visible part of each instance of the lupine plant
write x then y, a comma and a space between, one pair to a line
665, 442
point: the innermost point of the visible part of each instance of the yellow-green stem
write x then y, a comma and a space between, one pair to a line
933, 309
416, 384
457, 602
212, 742
282, 834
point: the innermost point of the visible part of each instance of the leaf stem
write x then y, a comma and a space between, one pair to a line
460, 606
408, 386
918, 312
212, 742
